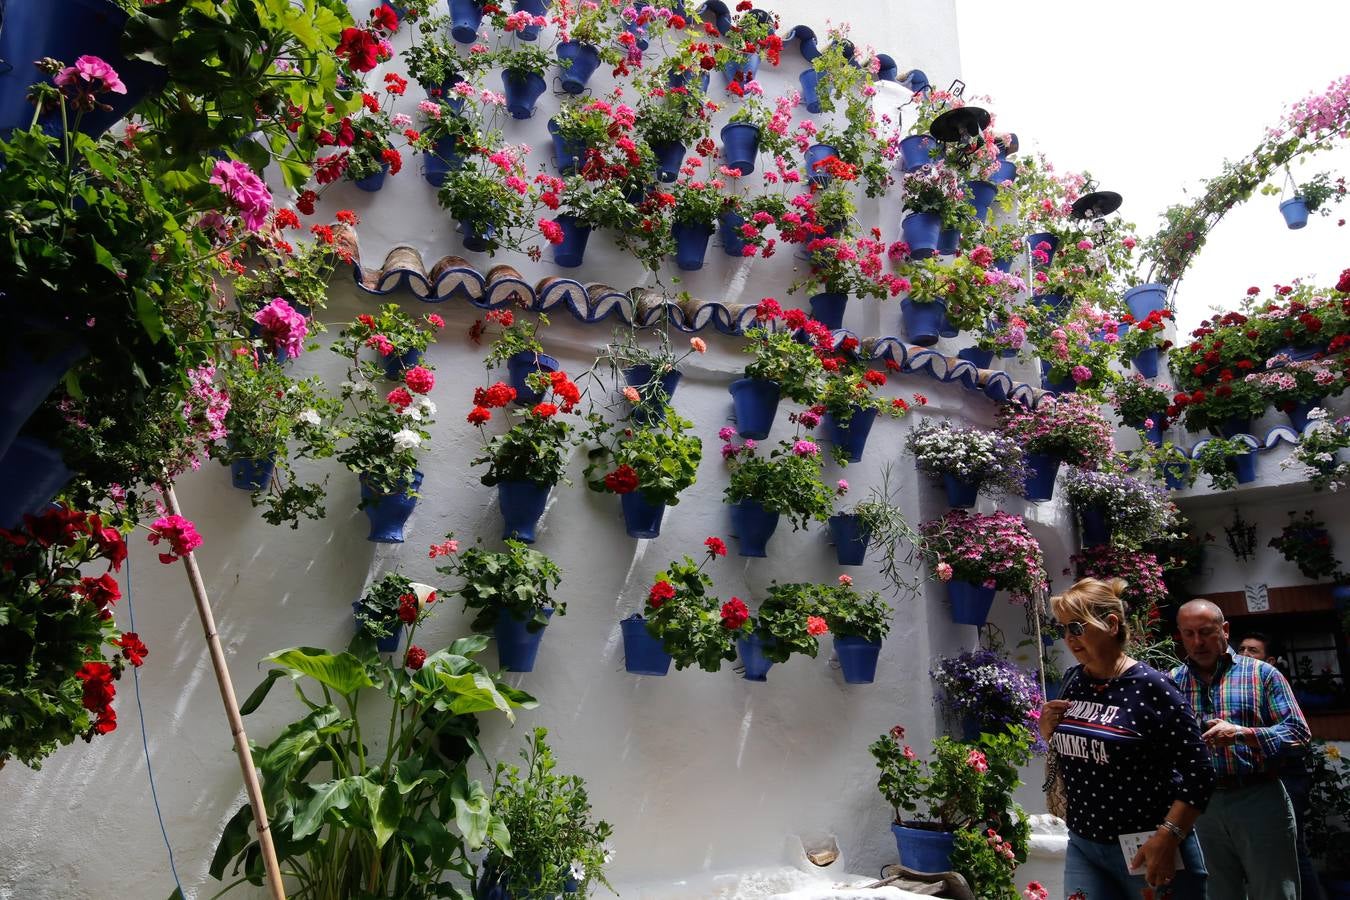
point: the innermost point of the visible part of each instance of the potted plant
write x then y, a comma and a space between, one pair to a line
1296, 387
367, 152
693, 627
517, 346
843, 267
389, 605
877, 523
511, 593
945, 297
969, 461
761, 488
671, 119
850, 405
445, 138
297, 274
550, 844
56, 629
935, 202
1116, 509
653, 374
750, 129
1208, 372
1322, 451
693, 220
782, 367
435, 63
1144, 340
397, 338
988, 692
1143, 405
647, 466
976, 555
583, 206
1061, 429
523, 81
1305, 542
587, 36
1316, 195
490, 197
859, 623
787, 622
531, 456
1228, 462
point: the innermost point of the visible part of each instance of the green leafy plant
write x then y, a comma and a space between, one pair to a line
659, 460
693, 626
518, 581
852, 614
390, 603
299, 275
1304, 541
1217, 458
790, 620
782, 359
1322, 451
788, 481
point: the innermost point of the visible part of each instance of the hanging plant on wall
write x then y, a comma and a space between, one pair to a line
1304, 541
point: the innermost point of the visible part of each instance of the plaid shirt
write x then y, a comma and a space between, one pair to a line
1252, 694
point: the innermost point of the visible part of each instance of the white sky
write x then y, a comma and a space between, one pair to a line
1150, 97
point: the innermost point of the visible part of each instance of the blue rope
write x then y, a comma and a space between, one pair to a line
145, 742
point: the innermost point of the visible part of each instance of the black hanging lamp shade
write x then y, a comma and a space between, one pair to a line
960, 126
1096, 204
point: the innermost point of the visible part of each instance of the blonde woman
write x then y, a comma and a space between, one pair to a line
1130, 753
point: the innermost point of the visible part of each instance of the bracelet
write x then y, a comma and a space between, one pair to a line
1173, 829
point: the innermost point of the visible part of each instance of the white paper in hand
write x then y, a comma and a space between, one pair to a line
1130, 844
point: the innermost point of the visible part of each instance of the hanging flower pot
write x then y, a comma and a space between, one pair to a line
642, 653
828, 309
1055, 305
1154, 432
851, 437
755, 402
921, 231
981, 359
641, 519
581, 61
1063, 386
1096, 525
729, 227
753, 525
1295, 212
751, 650
648, 411
1146, 298
1174, 475
681, 79
1042, 469
669, 158
917, 151
740, 146
477, 236
948, 241
961, 494
815, 155
1298, 413
522, 90
388, 513
691, 244
924, 849
534, 8
742, 71
922, 321
1233, 426
517, 646
946, 328
1146, 361
857, 658
572, 250
981, 197
396, 366
569, 154
850, 538
1034, 242
1244, 467
522, 503
441, 161
810, 80
1007, 171
252, 474
372, 183
519, 366
465, 18
31, 474
389, 642
28, 378
970, 602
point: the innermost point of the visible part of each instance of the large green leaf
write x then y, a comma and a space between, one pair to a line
259, 694
233, 840
324, 798
473, 811
341, 672
472, 692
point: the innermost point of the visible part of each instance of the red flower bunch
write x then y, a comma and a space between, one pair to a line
661, 592
133, 648
716, 546
415, 658
419, 380
734, 614
98, 695
360, 48
623, 480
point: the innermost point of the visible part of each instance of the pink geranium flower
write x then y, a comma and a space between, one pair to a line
92, 74
250, 195
179, 532
283, 327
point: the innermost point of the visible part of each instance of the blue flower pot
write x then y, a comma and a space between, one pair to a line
1174, 475
569, 154
1298, 416
923, 850
28, 378
441, 161
921, 231
1042, 237
982, 359
857, 658
1146, 361
828, 309
916, 151
982, 194
388, 643
31, 474
1244, 466
946, 328
970, 602
396, 366
740, 146
1295, 212
669, 158
1096, 526
922, 321
809, 80
753, 526
388, 513
815, 154
850, 539
1042, 469
1007, 171
651, 409
572, 250
851, 438
755, 402
534, 8
681, 80
251, 474
729, 227
581, 61
961, 494
751, 651
743, 71
1063, 386
1154, 435
1055, 305
691, 244
65, 30
949, 239
641, 519
642, 653
517, 646
522, 92
372, 183
1144, 299
465, 18
1233, 426
519, 366
477, 236
522, 503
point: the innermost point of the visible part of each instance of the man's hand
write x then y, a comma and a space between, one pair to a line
1223, 734
1051, 713
1159, 857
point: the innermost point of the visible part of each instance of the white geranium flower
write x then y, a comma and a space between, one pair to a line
363, 387
309, 417
410, 412
407, 440
426, 405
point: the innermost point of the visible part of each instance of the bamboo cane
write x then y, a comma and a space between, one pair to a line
251, 785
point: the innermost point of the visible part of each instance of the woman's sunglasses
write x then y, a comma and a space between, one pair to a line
1069, 628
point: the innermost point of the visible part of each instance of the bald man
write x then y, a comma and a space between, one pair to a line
1248, 718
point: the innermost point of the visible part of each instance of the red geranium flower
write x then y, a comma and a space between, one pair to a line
545, 410
623, 480
716, 546
478, 415
734, 614
407, 609
415, 657
133, 648
660, 593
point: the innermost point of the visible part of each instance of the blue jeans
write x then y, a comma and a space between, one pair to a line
1094, 871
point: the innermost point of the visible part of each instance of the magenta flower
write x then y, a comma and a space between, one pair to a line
1081, 374
283, 327
179, 532
805, 448
90, 74
250, 195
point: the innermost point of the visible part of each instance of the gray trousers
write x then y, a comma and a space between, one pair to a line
1249, 839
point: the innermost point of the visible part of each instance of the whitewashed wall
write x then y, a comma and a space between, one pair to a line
699, 773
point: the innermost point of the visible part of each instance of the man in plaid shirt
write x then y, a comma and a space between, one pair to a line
1248, 718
